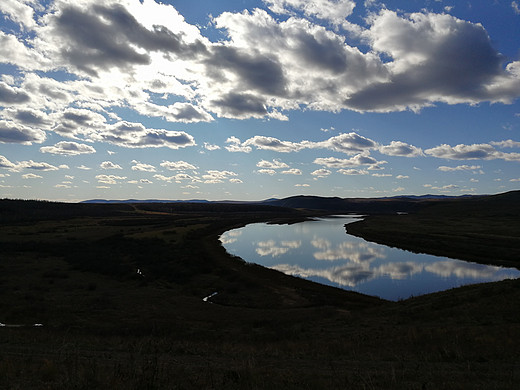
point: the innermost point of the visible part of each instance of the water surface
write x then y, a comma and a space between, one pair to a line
322, 251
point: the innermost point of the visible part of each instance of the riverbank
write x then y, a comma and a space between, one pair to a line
120, 300
483, 231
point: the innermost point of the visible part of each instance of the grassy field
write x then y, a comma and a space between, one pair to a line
118, 290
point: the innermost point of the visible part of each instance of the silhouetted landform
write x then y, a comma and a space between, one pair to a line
144, 296
384, 205
484, 229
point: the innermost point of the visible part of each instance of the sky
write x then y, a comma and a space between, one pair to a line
254, 99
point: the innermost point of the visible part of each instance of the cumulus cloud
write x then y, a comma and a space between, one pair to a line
506, 144
137, 53
353, 172
177, 165
471, 152
13, 132
109, 179
215, 176
292, 171
116, 39
136, 135
38, 166
398, 148
139, 166
434, 58
5, 163
31, 176
110, 165
334, 11
74, 122
68, 148
348, 143
10, 96
275, 164
235, 145
460, 168
19, 12
358, 160
319, 173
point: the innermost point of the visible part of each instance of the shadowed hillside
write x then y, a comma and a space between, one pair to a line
117, 293
483, 229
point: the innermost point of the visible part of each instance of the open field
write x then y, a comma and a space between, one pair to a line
119, 291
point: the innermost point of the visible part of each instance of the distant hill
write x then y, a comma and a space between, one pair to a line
104, 201
354, 205
386, 205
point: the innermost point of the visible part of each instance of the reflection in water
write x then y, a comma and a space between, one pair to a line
273, 249
230, 237
357, 252
323, 252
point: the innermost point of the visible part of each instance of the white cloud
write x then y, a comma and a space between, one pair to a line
348, 143
460, 168
516, 7
334, 11
270, 172
401, 177
109, 179
264, 67
31, 176
135, 135
271, 143
14, 132
430, 58
139, 166
19, 12
177, 165
358, 160
506, 144
471, 152
398, 148
68, 149
215, 176
321, 173
292, 171
275, 164
353, 172
237, 146
211, 147
110, 165
5, 163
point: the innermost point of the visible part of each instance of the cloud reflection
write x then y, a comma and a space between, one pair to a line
346, 261
357, 252
274, 249
230, 236
354, 273
462, 269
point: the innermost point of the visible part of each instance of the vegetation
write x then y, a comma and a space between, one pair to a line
481, 229
119, 288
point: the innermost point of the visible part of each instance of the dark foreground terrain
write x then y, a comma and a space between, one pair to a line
117, 294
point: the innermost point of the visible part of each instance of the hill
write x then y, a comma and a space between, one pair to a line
482, 229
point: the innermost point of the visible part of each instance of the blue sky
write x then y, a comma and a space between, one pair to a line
248, 100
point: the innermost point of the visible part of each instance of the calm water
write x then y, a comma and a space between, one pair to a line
322, 251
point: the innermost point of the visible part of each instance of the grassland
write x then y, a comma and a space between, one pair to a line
119, 288
485, 230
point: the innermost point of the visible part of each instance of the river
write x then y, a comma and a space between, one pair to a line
322, 251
